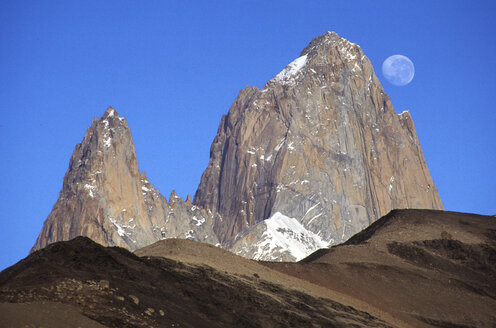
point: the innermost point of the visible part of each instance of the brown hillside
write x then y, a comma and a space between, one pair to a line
411, 268
115, 288
195, 253
428, 268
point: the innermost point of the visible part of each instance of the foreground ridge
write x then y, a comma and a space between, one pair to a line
114, 288
410, 268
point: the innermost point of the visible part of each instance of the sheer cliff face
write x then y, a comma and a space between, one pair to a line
320, 143
105, 197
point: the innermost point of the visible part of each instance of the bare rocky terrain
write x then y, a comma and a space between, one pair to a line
116, 288
427, 268
411, 268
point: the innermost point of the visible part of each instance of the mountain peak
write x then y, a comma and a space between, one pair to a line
325, 40
326, 53
101, 183
111, 117
314, 144
107, 198
110, 112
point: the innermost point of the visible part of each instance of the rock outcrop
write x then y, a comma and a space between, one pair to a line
106, 198
320, 144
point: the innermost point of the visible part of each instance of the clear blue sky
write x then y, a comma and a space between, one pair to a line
172, 68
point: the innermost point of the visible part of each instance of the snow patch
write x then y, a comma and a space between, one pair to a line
316, 216
391, 181
90, 189
280, 145
107, 141
285, 234
311, 209
287, 74
120, 229
198, 222
189, 235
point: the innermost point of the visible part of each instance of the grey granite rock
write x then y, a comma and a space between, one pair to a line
320, 143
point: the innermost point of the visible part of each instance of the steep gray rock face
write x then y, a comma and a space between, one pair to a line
105, 197
321, 144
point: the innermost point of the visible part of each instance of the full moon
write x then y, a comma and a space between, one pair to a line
398, 70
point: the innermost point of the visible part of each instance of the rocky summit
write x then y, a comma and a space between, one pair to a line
312, 158
106, 198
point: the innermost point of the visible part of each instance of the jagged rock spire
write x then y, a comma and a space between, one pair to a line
105, 197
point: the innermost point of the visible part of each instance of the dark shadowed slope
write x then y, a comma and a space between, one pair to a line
428, 268
116, 288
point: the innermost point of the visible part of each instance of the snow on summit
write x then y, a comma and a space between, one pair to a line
287, 75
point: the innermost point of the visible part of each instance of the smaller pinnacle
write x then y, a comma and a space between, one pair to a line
110, 112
